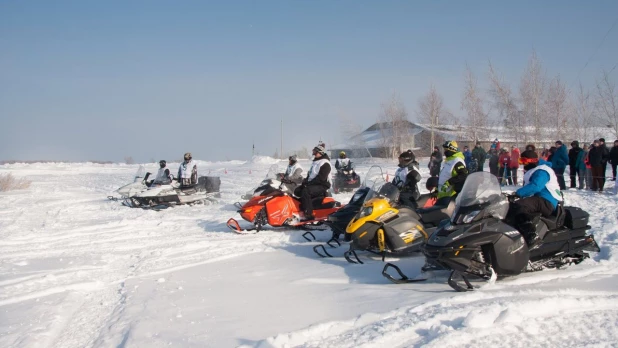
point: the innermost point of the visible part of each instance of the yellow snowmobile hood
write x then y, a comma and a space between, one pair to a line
375, 210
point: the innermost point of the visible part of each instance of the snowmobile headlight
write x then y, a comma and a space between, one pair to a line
366, 211
470, 216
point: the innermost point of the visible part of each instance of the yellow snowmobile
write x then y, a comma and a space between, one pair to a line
382, 227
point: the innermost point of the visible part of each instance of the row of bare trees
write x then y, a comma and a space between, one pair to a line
540, 109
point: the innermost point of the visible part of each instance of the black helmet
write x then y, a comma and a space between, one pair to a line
406, 157
431, 183
162, 163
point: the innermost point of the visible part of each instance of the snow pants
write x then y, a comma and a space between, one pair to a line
306, 194
560, 175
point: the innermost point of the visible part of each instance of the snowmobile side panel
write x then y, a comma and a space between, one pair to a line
281, 209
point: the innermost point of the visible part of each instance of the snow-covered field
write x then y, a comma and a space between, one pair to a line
79, 270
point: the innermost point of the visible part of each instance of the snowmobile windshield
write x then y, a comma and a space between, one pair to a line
378, 187
272, 172
139, 175
480, 188
374, 174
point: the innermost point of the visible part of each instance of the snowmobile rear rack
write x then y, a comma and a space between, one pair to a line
403, 280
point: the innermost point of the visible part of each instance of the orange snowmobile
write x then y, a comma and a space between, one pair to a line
273, 205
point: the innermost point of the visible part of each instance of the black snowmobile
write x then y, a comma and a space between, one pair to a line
346, 179
477, 245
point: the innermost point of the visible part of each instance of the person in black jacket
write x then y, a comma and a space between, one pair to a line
435, 162
316, 183
573, 153
613, 158
595, 157
605, 156
407, 178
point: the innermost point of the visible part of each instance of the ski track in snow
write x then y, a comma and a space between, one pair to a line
66, 253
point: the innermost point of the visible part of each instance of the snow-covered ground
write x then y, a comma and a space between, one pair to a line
79, 270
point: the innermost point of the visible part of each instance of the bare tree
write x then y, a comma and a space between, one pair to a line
505, 103
471, 102
607, 103
532, 91
431, 112
558, 109
394, 126
583, 122
129, 160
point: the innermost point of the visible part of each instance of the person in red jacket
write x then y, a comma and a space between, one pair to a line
504, 162
515, 154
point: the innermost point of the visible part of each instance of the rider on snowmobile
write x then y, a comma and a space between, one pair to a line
453, 173
406, 179
540, 195
342, 162
164, 177
293, 174
316, 183
187, 172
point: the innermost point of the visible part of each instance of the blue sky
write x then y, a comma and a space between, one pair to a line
84, 80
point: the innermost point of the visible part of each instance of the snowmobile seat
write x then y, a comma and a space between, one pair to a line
323, 203
432, 216
556, 220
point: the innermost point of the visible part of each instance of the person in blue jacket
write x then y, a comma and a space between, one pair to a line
559, 162
539, 196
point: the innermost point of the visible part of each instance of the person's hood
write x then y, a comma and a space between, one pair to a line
542, 161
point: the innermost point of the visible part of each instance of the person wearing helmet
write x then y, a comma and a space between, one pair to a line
163, 175
316, 183
407, 178
540, 195
187, 172
453, 173
342, 162
293, 174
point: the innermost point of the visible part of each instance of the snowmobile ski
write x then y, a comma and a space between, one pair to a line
403, 278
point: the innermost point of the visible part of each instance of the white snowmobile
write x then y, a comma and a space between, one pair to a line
145, 194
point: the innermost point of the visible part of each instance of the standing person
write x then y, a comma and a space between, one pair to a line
573, 155
605, 157
515, 154
504, 162
479, 155
187, 172
588, 167
582, 169
613, 159
316, 183
495, 145
435, 162
293, 175
595, 156
559, 161
467, 156
493, 162
407, 178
